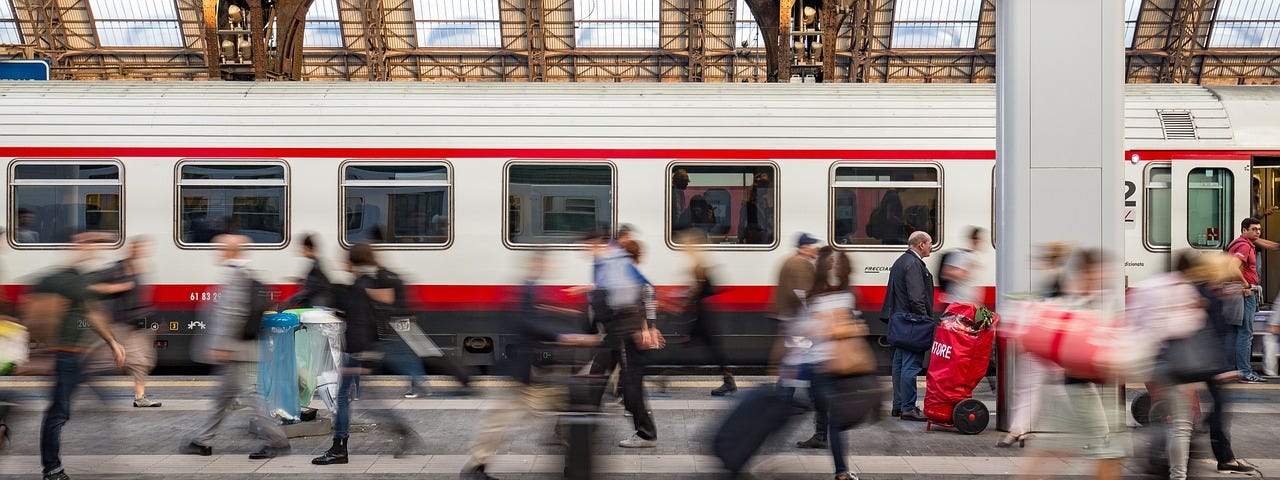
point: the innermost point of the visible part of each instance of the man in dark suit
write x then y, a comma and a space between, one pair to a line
910, 291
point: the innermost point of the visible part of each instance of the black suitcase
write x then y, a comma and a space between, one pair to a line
760, 413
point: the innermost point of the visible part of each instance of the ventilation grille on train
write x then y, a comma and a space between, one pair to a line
1178, 125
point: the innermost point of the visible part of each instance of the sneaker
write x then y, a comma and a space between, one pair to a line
1252, 378
60, 475
846, 476
636, 442
410, 394
144, 402
1236, 466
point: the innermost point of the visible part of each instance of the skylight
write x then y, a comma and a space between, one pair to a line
747, 30
8, 24
616, 23
936, 23
1246, 24
136, 23
323, 29
1132, 8
457, 23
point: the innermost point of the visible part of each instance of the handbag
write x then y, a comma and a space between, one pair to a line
649, 338
910, 331
851, 353
1085, 343
851, 400
1187, 360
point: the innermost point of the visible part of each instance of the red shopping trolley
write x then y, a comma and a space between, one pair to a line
961, 354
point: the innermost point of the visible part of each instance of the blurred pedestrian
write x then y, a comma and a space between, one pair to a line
530, 328
316, 288
1031, 371
123, 294
1073, 413
1215, 278
616, 300
703, 329
368, 306
960, 267
1243, 248
68, 286
828, 296
909, 297
235, 355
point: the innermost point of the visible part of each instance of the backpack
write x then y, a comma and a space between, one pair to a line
259, 303
944, 283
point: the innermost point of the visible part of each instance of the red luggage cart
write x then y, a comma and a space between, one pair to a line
961, 354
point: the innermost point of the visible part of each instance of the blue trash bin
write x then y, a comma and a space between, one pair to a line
278, 367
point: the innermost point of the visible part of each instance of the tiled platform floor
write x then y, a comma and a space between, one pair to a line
107, 438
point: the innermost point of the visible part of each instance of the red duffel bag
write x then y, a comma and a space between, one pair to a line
1086, 343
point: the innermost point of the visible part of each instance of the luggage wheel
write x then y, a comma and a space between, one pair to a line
970, 416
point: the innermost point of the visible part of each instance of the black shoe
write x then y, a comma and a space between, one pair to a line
194, 448
1236, 466
476, 473
61, 475
813, 442
729, 387
897, 412
912, 416
269, 452
335, 455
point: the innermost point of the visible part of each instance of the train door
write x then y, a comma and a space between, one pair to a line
1266, 175
1208, 199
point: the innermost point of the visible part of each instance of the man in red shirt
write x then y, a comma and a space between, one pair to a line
1242, 328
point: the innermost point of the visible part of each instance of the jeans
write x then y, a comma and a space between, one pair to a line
400, 359
397, 358
906, 367
1243, 348
346, 388
1178, 441
66, 377
820, 386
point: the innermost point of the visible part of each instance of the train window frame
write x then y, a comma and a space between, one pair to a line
777, 205
1147, 187
575, 245
14, 182
1229, 225
285, 208
833, 184
343, 183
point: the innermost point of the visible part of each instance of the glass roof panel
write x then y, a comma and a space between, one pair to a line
8, 25
616, 23
136, 23
747, 30
935, 23
1246, 24
458, 23
1132, 8
323, 29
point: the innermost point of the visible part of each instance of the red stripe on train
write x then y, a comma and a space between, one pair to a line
749, 298
582, 153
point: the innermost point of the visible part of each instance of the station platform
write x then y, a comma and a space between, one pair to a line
107, 438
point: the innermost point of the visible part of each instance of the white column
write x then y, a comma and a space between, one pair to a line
1060, 135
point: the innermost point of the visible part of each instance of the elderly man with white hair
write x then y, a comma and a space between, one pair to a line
908, 309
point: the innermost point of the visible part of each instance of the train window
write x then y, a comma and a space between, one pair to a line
396, 203
557, 204
53, 201
1159, 207
730, 204
882, 205
1209, 213
250, 199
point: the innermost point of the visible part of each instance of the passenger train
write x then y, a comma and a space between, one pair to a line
457, 183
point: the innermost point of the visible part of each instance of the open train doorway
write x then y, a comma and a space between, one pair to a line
1265, 196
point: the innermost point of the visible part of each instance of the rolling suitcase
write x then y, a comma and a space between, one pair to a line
761, 412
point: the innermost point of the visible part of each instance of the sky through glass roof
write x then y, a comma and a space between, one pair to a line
136, 23
935, 23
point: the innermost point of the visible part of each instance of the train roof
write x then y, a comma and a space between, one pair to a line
583, 115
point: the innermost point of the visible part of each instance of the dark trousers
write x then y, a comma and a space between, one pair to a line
623, 354
703, 333
1219, 426
820, 389
66, 377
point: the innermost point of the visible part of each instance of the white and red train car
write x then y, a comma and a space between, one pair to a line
455, 183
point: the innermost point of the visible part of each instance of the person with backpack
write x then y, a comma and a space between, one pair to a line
368, 307
231, 344
68, 288
957, 269
124, 296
